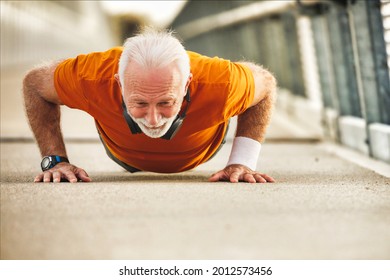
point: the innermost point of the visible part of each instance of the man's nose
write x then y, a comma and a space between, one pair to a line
153, 116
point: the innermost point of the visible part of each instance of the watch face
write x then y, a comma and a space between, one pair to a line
46, 162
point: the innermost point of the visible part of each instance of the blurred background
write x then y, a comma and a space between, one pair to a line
331, 58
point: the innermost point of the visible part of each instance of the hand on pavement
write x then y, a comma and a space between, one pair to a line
240, 173
64, 171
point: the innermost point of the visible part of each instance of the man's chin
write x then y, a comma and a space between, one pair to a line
154, 133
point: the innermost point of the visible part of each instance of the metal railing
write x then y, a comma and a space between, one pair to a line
239, 15
385, 10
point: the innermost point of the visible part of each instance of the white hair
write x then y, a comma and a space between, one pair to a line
154, 49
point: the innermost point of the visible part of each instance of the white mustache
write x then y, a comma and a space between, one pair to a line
159, 124
157, 130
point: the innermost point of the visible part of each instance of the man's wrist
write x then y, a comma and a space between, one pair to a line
245, 151
49, 162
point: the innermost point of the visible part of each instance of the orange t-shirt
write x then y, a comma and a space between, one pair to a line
220, 89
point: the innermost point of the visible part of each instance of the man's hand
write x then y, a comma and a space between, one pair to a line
64, 171
237, 172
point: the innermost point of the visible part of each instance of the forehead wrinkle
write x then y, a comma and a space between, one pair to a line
140, 91
152, 84
138, 97
137, 74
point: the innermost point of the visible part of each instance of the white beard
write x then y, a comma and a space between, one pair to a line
156, 131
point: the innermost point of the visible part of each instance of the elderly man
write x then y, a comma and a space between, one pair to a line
157, 108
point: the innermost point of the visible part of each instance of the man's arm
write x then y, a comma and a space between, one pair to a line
252, 124
43, 112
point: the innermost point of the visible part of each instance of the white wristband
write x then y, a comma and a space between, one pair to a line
245, 151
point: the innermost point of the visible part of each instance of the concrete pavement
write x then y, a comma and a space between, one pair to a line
321, 207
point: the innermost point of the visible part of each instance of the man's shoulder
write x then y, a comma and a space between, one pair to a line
209, 69
197, 57
113, 52
103, 56
96, 65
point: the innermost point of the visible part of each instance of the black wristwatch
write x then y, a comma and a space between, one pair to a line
51, 161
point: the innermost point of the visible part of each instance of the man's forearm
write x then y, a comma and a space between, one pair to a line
254, 121
43, 111
44, 119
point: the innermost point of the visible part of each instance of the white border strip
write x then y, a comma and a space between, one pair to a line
196, 269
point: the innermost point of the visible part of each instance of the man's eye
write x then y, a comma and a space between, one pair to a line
166, 104
141, 104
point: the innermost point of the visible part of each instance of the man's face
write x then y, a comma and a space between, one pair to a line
153, 98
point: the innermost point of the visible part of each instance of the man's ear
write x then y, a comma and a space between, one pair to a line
188, 81
116, 76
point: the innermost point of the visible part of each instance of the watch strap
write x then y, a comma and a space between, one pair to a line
59, 159
53, 161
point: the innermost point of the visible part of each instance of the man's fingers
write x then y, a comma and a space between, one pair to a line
56, 177
235, 174
38, 178
216, 177
70, 176
47, 177
250, 178
268, 178
234, 177
83, 176
79, 174
259, 178
64, 171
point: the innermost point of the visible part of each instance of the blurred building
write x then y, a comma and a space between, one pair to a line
32, 31
329, 57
